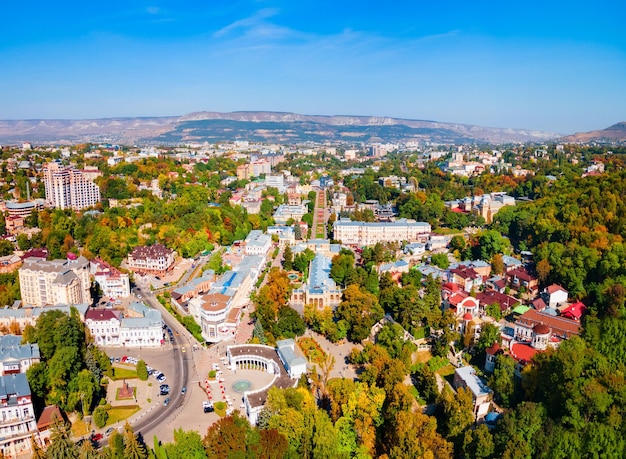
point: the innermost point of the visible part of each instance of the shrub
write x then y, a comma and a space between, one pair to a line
212, 374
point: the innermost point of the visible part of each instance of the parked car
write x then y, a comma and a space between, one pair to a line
166, 401
109, 431
96, 437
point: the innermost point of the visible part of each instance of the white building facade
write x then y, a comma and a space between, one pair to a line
68, 188
365, 233
114, 283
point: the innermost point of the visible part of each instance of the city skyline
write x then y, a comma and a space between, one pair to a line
554, 67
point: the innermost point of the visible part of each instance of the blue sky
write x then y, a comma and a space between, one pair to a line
555, 66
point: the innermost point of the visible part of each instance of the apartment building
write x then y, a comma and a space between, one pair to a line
53, 282
155, 259
365, 233
112, 282
69, 188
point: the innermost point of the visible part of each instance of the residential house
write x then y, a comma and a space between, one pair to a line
519, 278
466, 377
468, 278
555, 295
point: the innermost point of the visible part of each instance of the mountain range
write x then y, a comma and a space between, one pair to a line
612, 134
257, 126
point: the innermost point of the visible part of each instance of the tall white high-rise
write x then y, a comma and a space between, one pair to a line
67, 188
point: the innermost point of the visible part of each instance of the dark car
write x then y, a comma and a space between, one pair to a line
166, 401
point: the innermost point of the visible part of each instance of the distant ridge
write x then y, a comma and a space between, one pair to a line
258, 126
612, 134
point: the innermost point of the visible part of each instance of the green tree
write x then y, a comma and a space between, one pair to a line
186, 445
133, 449
100, 417
503, 380
489, 335
61, 445
478, 443
142, 370
440, 260
360, 310
456, 412
287, 258
493, 310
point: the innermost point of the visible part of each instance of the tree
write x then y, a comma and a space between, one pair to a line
478, 443
288, 258
497, 264
415, 436
100, 417
61, 445
38, 453
440, 260
186, 445
457, 243
493, 310
455, 412
142, 370
489, 335
133, 449
224, 438
360, 310
503, 380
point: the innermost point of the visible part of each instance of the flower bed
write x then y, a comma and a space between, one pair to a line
312, 350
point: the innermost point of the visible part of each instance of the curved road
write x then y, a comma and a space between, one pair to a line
158, 416
182, 371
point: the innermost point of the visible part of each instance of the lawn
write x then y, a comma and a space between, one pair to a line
123, 373
120, 413
80, 428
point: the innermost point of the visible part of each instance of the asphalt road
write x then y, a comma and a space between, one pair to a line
177, 366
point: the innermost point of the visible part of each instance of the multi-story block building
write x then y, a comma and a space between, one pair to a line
55, 282
155, 259
114, 283
17, 416
68, 188
364, 233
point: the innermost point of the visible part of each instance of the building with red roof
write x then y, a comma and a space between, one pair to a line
574, 311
